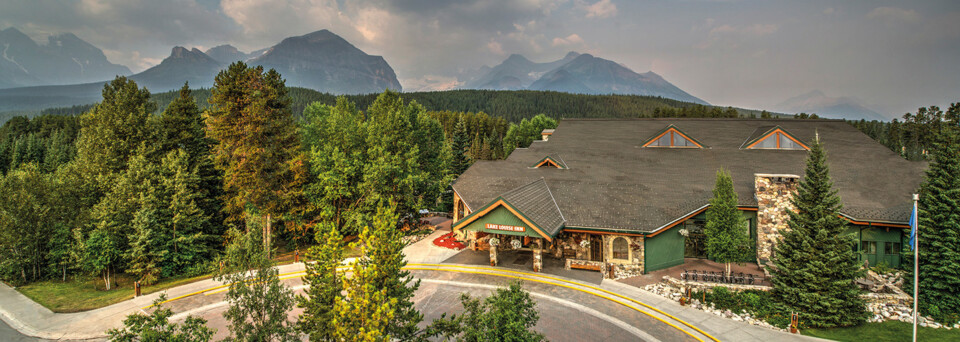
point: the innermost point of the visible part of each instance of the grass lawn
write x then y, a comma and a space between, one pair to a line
88, 293
883, 332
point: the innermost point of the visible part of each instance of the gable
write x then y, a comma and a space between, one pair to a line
671, 136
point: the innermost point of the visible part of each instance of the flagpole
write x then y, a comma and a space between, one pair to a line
916, 264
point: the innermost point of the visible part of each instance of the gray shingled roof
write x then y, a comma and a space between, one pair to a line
613, 183
536, 202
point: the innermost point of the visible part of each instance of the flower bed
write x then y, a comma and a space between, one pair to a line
448, 241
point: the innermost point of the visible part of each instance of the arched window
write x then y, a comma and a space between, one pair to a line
621, 248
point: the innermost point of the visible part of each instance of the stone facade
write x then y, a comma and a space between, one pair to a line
773, 193
624, 268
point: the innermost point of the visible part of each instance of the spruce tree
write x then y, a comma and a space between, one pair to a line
726, 230
816, 266
181, 126
939, 234
380, 292
459, 146
384, 251
258, 148
325, 285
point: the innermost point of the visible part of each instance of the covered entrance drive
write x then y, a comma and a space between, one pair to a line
523, 219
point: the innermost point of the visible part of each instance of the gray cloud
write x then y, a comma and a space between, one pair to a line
895, 55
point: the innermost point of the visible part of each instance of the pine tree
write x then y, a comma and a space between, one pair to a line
367, 314
939, 233
380, 292
816, 267
727, 236
182, 127
383, 249
258, 148
325, 285
189, 241
146, 252
459, 146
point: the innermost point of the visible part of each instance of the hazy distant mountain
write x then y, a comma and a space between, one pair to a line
226, 54
829, 107
587, 74
326, 62
183, 65
64, 59
516, 72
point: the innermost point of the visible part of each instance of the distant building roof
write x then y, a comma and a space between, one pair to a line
609, 181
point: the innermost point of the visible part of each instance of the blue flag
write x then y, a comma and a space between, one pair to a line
913, 229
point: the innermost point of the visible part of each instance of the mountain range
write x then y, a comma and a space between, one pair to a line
320, 60
64, 59
575, 73
829, 107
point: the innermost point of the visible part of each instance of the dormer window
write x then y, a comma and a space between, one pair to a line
775, 138
551, 161
672, 137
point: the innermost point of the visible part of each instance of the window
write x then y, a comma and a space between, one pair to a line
777, 140
868, 247
550, 161
891, 248
621, 248
672, 137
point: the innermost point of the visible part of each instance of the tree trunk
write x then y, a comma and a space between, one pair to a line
728, 270
267, 239
64, 273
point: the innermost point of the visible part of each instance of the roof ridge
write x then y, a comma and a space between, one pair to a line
554, 199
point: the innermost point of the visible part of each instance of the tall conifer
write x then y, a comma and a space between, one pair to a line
939, 231
816, 267
258, 148
325, 285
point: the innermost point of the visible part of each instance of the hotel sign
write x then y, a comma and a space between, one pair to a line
506, 228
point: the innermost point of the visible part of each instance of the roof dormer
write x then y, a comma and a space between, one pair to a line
551, 161
671, 136
773, 138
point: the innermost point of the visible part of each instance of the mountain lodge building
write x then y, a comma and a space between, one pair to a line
628, 196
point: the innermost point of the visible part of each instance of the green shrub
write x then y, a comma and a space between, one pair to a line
759, 304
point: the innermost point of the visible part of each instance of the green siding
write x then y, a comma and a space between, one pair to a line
502, 216
881, 237
663, 251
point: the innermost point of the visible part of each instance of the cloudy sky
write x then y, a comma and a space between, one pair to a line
893, 55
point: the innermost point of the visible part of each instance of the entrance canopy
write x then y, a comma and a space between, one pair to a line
502, 221
525, 211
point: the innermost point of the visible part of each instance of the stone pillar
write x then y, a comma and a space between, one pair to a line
773, 193
493, 255
538, 256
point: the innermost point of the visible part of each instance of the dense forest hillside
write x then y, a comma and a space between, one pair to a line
510, 105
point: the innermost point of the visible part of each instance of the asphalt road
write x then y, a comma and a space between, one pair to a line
8, 334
